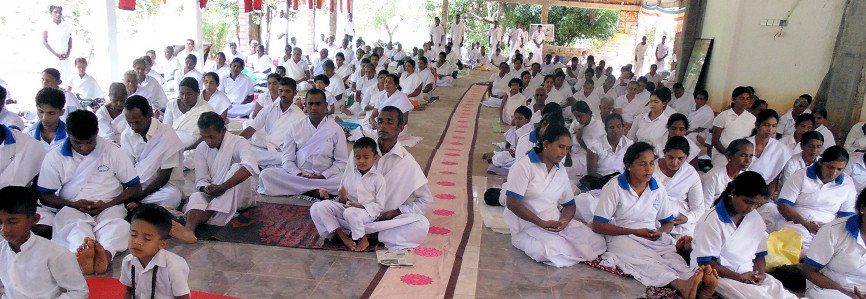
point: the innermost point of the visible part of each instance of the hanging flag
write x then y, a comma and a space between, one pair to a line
248, 5
319, 4
257, 4
202, 3
126, 5
333, 5
349, 6
310, 4
341, 5
294, 4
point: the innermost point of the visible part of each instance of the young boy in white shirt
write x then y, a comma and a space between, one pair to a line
361, 199
151, 271
33, 267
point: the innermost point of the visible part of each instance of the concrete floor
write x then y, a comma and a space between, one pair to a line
256, 271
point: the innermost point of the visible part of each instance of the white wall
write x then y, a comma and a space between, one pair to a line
779, 67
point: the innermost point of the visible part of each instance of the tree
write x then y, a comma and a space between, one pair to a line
219, 22
387, 17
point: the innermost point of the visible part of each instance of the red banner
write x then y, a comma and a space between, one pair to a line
202, 3
294, 4
126, 5
333, 5
349, 6
248, 5
257, 4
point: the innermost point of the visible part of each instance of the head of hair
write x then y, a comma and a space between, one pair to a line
82, 124
757, 103
214, 76
524, 111
677, 143
140, 103
401, 119
2, 93
553, 119
52, 97
804, 117
368, 143
611, 117
221, 54
748, 184
581, 107
736, 146
54, 73
833, 154
678, 117
740, 90
211, 120
340, 54
807, 97
238, 60
328, 64
551, 107
650, 86
409, 61
396, 80
190, 83
678, 85
633, 152
291, 83
516, 81
316, 91
82, 60
156, 216
551, 134
18, 200
322, 78
702, 93
664, 94
811, 135
140, 61
276, 76
191, 57
169, 49
820, 112
764, 115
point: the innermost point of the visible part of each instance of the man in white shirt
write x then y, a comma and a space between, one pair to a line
84, 185
349, 28
640, 55
149, 87
234, 53
515, 39
189, 49
662, 51
315, 155
317, 64
221, 68
9, 118
267, 132
170, 66
654, 76
437, 34
538, 37
299, 70
189, 70
83, 85
57, 39
494, 36
457, 32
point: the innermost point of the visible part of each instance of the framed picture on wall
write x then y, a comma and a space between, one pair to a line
693, 79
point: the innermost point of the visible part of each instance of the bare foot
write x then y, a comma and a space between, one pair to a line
709, 283
182, 233
131, 206
695, 283
346, 240
85, 255
363, 244
101, 259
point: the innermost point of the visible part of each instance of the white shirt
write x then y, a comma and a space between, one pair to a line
237, 89
609, 158
772, 160
795, 163
410, 82
661, 51
457, 31
296, 70
640, 52
838, 250
829, 139
133, 145
648, 130
86, 87
397, 99
151, 90
734, 247
855, 140
630, 109
734, 126
11, 119
22, 157
35, 131
110, 128
194, 73
683, 105
499, 84
515, 37
494, 37
115, 171
171, 275
621, 206
541, 191
714, 183
42, 269
219, 101
702, 118
856, 171
686, 195
816, 201
437, 32
58, 36
538, 38
349, 28
336, 87
787, 123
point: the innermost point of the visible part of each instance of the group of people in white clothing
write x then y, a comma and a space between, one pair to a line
621, 182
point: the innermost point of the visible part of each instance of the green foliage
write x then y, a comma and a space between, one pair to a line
596, 25
219, 22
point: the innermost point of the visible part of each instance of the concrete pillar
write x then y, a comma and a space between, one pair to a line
842, 90
545, 11
192, 15
104, 29
445, 15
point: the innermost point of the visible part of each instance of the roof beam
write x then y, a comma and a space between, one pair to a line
592, 5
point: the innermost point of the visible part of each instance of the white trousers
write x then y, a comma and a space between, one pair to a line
329, 215
769, 288
816, 292
108, 228
267, 158
445, 81
277, 182
652, 263
576, 243
168, 197
226, 205
404, 231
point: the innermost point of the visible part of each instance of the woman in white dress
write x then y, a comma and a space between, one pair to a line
739, 155
834, 265
540, 206
855, 142
701, 119
683, 185
635, 215
215, 97
804, 123
110, 116
678, 125
649, 127
498, 86
604, 155
810, 146
734, 123
410, 82
820, 120
731, 239
512, 100
770, 154
817, 195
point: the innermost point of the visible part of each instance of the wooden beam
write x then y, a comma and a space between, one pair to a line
625, 7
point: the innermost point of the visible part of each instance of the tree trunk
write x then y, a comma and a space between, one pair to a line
333, 28
841, 92
311, 27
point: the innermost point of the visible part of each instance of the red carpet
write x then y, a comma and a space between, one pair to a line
107, 287
274, 225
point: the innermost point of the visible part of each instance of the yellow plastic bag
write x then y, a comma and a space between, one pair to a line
784, 247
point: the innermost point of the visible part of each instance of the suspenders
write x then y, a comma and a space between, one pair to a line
131, 289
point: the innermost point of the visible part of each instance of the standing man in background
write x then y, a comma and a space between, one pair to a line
515, 39
494, 36
57, 38
538, 38
457, 32
662, 51
640, 55
437, 34
349, 29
